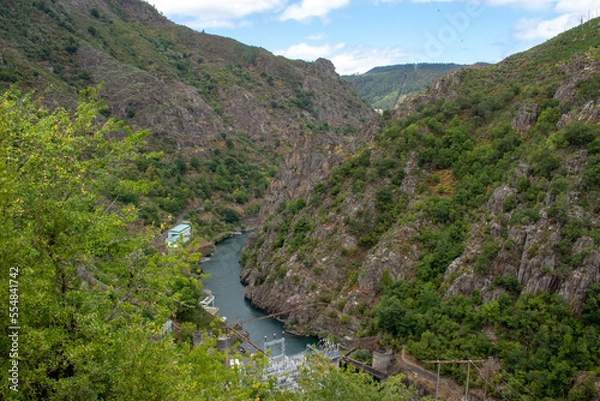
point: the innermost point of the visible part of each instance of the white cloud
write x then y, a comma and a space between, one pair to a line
318, 36
216, 8
527, 5
536, 28
416, 1
303, 51
579, 7
311, 8
560, 6
347, 60
360, 61
568, 13
215, 13
215, 23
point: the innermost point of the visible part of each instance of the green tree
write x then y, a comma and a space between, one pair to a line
230, 216
92, 295
579, 133
324, 382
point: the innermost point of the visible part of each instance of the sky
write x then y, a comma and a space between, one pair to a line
357, 35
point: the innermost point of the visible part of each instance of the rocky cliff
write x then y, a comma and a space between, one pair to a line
222, 113
167, 78
484, 185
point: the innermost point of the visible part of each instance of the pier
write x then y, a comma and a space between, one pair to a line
286, 368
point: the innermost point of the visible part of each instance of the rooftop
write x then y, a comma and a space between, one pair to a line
179, 228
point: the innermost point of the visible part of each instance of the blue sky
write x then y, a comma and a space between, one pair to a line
357, 35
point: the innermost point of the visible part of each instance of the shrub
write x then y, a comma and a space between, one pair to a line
545, 162
547, 119
487, 255
367, 240
510, 202
230, 216
319, 188
398, 177
441, 212
252, 209
589, 89
195, 163
384, 165
559, 185
509, 282
240, 196
383, 197
294, 206
579, 133
591, 172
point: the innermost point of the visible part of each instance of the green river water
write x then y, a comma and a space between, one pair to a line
224, 282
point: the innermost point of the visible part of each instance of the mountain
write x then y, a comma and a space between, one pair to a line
463, 224
222, 113
385, 87
174, 121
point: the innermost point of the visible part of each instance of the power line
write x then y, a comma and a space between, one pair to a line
459, 361
494, 387
511, 387
520, 384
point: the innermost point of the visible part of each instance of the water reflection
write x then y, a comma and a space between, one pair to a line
224, 268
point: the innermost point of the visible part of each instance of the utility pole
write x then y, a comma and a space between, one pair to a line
437, 384
487, 377
459, 361
467, 384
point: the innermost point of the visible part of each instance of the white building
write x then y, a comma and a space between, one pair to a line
179, 233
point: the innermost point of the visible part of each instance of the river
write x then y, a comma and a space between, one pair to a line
224, 282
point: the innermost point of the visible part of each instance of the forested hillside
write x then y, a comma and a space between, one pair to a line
385, 87
219, 114
466, 226
88, 296
113, 121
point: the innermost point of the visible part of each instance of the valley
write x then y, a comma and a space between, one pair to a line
461, 223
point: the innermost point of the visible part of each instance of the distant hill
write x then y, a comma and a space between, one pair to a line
383, 87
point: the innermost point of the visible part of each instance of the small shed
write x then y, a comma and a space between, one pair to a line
180, 233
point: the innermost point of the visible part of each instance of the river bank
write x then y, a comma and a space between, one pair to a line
224, 282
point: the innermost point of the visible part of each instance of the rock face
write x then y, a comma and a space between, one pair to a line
526, 117
305, 281
529, 254
330, 282
185, 87
535, 229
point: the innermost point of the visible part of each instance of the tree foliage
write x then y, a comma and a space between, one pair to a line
93, 294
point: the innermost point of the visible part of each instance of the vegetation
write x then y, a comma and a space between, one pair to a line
384, 87
541, 344
75, 184
539, 341
92, 296
450, 187
192, 91
224, 182
87, 288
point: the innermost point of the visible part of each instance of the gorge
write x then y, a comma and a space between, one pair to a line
224, 282
465, 222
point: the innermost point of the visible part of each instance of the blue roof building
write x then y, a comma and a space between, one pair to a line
180, 233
